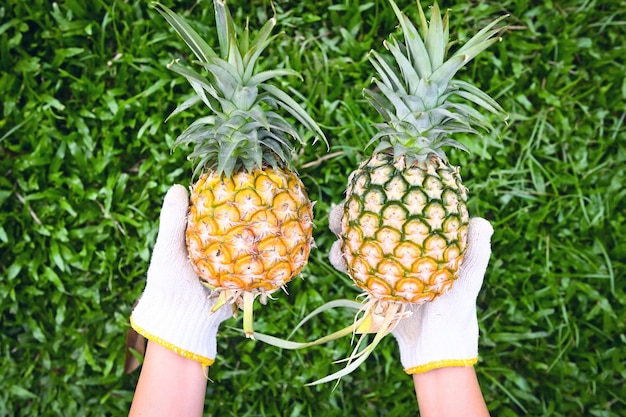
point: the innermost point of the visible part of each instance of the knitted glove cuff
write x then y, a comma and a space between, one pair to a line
204, 360
434, 348
185, 325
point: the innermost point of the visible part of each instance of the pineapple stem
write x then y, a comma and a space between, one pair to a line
328, 306
289, 345
384, 329
248, 314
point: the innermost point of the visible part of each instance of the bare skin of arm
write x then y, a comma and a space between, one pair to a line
450, 392
169, 385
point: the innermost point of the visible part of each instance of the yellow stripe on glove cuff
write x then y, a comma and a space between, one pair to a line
447, 363
204, 361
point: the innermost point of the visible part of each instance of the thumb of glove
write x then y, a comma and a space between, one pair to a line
336, 257
334, 219
170, 244
334, 224
476, 259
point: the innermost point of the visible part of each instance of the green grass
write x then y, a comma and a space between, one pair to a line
86, 160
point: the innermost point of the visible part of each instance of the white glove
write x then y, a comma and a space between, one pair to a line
443, 332
334, 224
175, 308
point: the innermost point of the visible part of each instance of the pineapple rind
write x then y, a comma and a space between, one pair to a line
404, 229
252, 233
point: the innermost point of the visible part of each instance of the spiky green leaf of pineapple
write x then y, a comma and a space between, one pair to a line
243, 127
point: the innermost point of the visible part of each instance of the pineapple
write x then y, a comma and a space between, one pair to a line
250, 221
405, 219
403, 225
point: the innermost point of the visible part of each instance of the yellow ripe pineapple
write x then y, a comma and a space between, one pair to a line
250, 220
403, 226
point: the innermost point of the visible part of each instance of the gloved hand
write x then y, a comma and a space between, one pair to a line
443, 332
175, 308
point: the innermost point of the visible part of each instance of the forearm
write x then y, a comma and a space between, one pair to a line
168, 385
452, 392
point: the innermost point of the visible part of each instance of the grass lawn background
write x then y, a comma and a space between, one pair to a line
85, 161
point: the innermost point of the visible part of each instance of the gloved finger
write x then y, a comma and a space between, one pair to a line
336, 257
477, 254
334, 219
173, 222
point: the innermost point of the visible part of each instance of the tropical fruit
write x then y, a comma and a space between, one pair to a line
250, 221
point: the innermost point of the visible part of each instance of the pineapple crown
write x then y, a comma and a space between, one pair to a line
244, 130
415, 88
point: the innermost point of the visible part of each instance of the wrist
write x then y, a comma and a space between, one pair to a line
169, 385
450, 391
